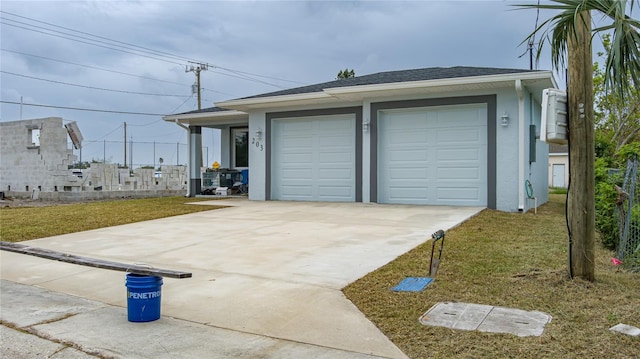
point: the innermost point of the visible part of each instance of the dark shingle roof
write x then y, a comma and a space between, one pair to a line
209, 109
431, 73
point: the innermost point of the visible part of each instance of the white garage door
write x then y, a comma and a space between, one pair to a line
313, 159
434, 156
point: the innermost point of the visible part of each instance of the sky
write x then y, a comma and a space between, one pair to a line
132, 56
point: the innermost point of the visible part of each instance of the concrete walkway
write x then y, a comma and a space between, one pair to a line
266, 280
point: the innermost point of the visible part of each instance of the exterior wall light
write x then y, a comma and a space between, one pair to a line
505, 119
365, 126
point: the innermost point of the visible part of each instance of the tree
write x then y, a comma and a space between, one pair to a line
617, 119
569, 34
345, 74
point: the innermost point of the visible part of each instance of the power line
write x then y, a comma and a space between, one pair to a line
248, 78
90, 43
108, 70
146, 124
82, 109
90, 87
185, 101
108, 41
116, 129
243, 77
182, 58
93, 67
139, 50
267, 77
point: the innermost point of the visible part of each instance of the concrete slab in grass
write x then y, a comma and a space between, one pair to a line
486, 318
626, 329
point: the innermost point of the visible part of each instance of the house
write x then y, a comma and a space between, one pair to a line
558, 165
35, 156
464, 136
35, 161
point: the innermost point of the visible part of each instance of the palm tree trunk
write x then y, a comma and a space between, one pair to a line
581, 205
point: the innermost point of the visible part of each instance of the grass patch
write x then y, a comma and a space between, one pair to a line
512, 260
25, 223
557, 190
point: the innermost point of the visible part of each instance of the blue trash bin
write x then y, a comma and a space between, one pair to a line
144, 295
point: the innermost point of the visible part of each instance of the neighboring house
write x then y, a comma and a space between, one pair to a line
35, 156
464, 136
558, 165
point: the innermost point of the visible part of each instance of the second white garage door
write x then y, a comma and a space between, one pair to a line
435, 156
313, 159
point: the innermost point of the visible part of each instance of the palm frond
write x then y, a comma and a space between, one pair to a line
624, 58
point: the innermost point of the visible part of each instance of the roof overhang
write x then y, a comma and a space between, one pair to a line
535, 82
210, 119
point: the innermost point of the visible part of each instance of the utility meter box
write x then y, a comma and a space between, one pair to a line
555, 122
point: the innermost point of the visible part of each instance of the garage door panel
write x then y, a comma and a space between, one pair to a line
415, 119
409, 174
295, 157
410, 195
457, 194
407, 137
299, 192
296, 127
334, 140
319, 166
408, 155
334, 158
442, 161
458, 154
449, 136
335, 174
459, 117
293, 173
334, 192
454, 173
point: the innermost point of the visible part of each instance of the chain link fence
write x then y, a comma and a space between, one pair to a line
628, 213
138, 154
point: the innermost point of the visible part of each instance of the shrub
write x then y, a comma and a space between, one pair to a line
606, 195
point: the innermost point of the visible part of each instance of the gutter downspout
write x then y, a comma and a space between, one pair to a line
189, 154
520, 145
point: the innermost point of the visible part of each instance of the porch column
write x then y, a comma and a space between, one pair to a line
195, 160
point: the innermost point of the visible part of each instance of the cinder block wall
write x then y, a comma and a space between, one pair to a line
26, 165
42, 165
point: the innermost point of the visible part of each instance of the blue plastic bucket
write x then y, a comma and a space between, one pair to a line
143, 297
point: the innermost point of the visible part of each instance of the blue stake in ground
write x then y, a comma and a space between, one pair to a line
417, 284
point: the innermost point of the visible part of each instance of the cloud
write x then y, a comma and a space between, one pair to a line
304, 42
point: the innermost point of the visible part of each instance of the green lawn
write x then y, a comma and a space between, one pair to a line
511, 260
25, 223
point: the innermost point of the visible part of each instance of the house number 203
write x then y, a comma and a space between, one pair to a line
257, 143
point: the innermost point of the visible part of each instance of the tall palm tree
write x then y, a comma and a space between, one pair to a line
570, 34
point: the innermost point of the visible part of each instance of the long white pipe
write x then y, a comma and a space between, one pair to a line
520, 145
189, 154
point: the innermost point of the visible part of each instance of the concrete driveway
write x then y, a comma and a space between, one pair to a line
267, 269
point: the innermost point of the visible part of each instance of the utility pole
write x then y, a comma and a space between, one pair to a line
197, 68
125, 144
581, 203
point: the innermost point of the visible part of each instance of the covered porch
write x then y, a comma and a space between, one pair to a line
235, 140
